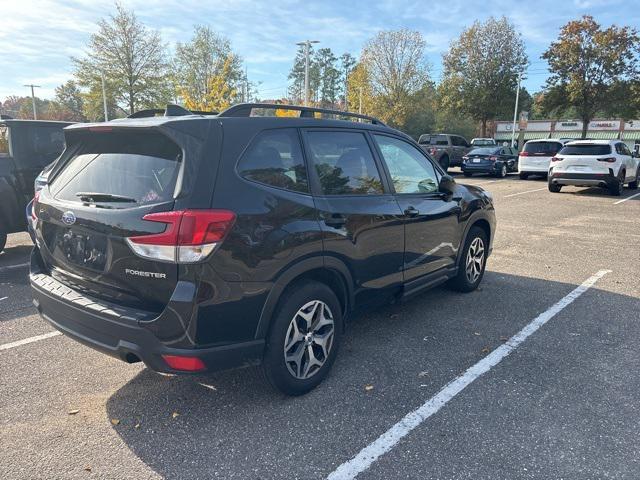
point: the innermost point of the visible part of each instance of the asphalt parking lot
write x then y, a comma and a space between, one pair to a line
562, 404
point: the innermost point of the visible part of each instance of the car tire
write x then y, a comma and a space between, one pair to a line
444, 162
523, 175
468, 174
466, 280
305, 313
616, 188
634, 185
554, 187
3, 241
503, 171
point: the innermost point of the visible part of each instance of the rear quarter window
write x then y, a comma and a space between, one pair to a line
141, 166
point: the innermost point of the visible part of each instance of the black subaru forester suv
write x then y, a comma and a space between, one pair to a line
197, 243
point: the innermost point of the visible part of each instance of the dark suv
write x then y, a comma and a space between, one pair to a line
194, 243
26, 147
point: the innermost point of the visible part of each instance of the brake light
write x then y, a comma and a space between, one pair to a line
34, 215
556, 159
100, 128
189, 237
187, 364
524, 154
465, 158
433, 150
608, 160
493, 158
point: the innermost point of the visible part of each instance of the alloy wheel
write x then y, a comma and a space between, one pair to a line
309, 339
475, 260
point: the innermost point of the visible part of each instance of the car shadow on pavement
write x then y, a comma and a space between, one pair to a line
233, 425
15, 255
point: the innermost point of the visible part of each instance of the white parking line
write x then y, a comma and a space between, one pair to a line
368, 455
625, 199
528, 191
26, 341
3, 298
11, 267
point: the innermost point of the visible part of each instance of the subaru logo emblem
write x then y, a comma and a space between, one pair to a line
69, 218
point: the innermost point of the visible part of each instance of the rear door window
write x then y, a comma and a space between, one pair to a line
586, 149
4, 140
548, 149
275, 159
344, 163
130, 167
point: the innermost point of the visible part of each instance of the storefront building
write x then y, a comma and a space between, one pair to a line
627, 131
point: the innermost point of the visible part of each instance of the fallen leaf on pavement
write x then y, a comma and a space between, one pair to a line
115, 421
485, 350
87, 468
368, 388
477, 334
73, 412
503, 339
136, 426
423, 374
175, 415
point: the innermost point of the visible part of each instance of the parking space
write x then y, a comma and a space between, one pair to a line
562, 404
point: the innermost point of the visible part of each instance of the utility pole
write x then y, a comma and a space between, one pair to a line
515, 111
104, 99
33, 99
360, 100
307, 46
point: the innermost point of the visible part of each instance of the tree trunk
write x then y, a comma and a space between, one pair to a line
585, 126
484, 128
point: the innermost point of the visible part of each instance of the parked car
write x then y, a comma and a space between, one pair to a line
497, 161
482, 142
446, 149
535, 157
194, 243
595, 163
26, 146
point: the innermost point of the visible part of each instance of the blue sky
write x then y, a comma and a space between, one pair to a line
39, 36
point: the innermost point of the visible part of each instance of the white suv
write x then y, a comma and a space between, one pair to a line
594, 163
535, 157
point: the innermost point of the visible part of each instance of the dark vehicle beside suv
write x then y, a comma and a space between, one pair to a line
497, 161
445, 148
197, 243
26, 147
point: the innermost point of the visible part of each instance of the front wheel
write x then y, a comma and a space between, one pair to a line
304, 337
502, 172
634, 185
3, 241
473, 260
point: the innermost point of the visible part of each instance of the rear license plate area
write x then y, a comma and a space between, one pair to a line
84, 249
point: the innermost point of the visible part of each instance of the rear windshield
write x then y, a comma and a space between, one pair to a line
484, 151
586, 149
482, 143
4, 140
34, 145
543, 148
433, 140
131, 168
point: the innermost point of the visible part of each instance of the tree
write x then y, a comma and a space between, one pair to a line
70, 104
347, 63
328, 77
131, 58
481, 70
221, 90
591, 68
198, 62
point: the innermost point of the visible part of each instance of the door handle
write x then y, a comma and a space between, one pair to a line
411, 211
335, 220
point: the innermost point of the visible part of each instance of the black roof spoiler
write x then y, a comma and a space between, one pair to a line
245, 110
170, 111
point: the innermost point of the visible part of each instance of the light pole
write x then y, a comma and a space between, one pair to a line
307, 46
515, 111
33, 99
104, 99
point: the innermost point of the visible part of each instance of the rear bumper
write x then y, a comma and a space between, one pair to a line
119, 332
493, 167
583, 179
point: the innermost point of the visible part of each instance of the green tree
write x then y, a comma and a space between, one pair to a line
132, 59
70, 103
347, 64
481, 71
592, 68
296, 75
328, 77
205, 57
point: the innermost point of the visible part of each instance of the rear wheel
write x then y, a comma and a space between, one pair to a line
303, 342
634, 185
554, 187
616, 187
444, 162
3, 241
523, 175
472, 262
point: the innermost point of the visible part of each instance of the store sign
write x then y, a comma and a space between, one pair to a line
539, 126
632, 125
604, 125
505, 127
571, 125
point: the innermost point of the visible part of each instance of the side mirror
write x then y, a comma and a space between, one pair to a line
447, 184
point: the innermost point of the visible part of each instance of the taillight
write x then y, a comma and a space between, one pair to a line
465, 158
187, 364
524, 154
433, 151
556, 159
608, 160
34, 215
190, 235
493, 158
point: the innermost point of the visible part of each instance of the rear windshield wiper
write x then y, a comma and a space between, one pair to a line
104, 197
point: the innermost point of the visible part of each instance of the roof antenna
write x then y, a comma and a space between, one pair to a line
176, 111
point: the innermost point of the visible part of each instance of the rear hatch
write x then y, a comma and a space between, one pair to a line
584, 158
539, 154
96, 200
433, 144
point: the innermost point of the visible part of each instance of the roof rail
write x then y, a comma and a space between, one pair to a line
170, 111
245, 110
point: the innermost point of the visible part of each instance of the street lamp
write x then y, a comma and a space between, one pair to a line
307, 46
33, 99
